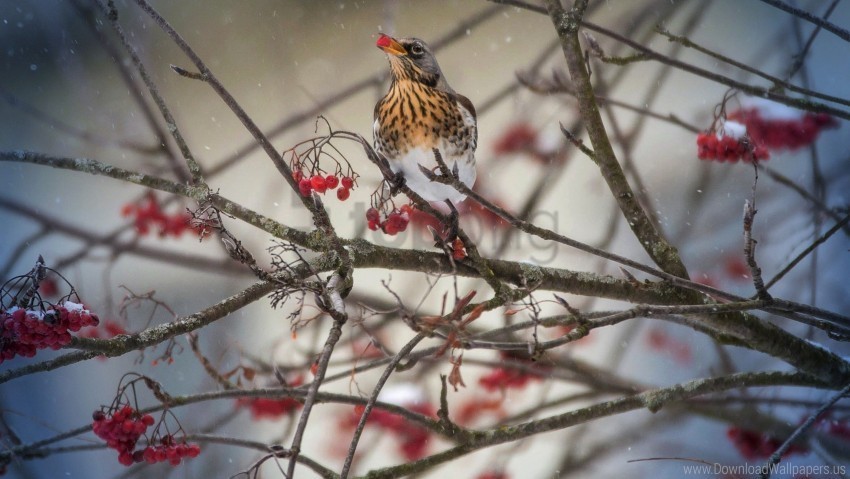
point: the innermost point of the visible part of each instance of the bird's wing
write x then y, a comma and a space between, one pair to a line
464, 101
377, 107
467, 105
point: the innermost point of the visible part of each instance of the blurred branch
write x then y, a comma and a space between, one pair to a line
778, 83
171, 124
54, 225
273, 451
94, 167
86, 10
817, 203
817, 242
799, 103
82, 135
820, 22
373, 398
801, 429
123, 344
653, 400
800, 58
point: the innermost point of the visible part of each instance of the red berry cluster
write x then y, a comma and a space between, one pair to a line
784, 133
395, 222
839, 429
121, 430
523, 138
270, 408
148, 212
110, 329
476, 407
485, 216
658, 340
23, 332
736, 268
321, 184
756, 445
168, 449
722, 148
413, 438
502, 378
520, 137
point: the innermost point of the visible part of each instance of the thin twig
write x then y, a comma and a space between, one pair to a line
361, 423
817, 242
777, 454
750, 243
333, 336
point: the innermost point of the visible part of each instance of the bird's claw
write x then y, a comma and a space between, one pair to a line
397, 183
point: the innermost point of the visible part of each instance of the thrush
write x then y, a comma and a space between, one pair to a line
419, 114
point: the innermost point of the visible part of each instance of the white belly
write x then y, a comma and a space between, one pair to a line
408, 165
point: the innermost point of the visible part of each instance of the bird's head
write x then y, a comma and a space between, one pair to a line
412, 59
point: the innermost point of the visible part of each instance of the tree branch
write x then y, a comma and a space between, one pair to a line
665, 255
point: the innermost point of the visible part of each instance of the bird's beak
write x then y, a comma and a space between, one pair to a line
390, 45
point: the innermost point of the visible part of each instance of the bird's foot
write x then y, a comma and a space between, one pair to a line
448, 240
397, 183
443, 168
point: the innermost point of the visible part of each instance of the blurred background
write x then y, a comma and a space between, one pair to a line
68, 89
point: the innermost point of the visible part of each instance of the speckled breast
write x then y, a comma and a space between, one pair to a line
413, 115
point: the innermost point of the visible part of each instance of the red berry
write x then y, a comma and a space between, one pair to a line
396, 223
125, 458
331, 181
373, 225
181, 449
390, 228
373, 215
128, 425
98, 416
318, 183
297, 176
149, 455
193, 450
148, 420
347, 182
343, 193
304, 187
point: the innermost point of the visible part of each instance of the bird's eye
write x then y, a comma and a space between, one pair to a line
416, 50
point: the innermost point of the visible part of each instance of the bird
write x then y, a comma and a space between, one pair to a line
420, 116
